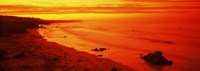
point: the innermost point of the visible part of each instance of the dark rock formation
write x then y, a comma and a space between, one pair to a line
18, 25
65, 36
24, 68
156, 59
102, 49
20, 55
114, 69
2, 56
2, 69
56, 59
168, 42
100, 55
99, 49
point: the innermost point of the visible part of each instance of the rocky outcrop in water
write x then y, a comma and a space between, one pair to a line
156, 59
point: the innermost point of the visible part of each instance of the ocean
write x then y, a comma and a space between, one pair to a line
127, 36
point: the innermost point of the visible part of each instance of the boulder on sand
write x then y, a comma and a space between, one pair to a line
156, 59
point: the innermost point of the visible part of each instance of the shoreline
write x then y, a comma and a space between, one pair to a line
30, 51
86, 39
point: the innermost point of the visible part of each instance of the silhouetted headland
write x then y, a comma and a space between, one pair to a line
12, 24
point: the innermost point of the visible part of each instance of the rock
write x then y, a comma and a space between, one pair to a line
27, 67
56, 59
65, 36
114, 69
79, 60
168, 42
102, 49
96, 49
2, 52
39, 36
2, 69
99, 49
100, 55
20, 55
156, 59
2, 56
87, 69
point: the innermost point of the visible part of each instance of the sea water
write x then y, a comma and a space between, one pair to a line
127, 36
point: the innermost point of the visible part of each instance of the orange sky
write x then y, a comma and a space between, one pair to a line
97, 6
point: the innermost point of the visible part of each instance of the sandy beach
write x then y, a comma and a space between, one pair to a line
31, 52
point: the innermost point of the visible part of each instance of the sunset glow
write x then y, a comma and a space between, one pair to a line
61, 3
96, 6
